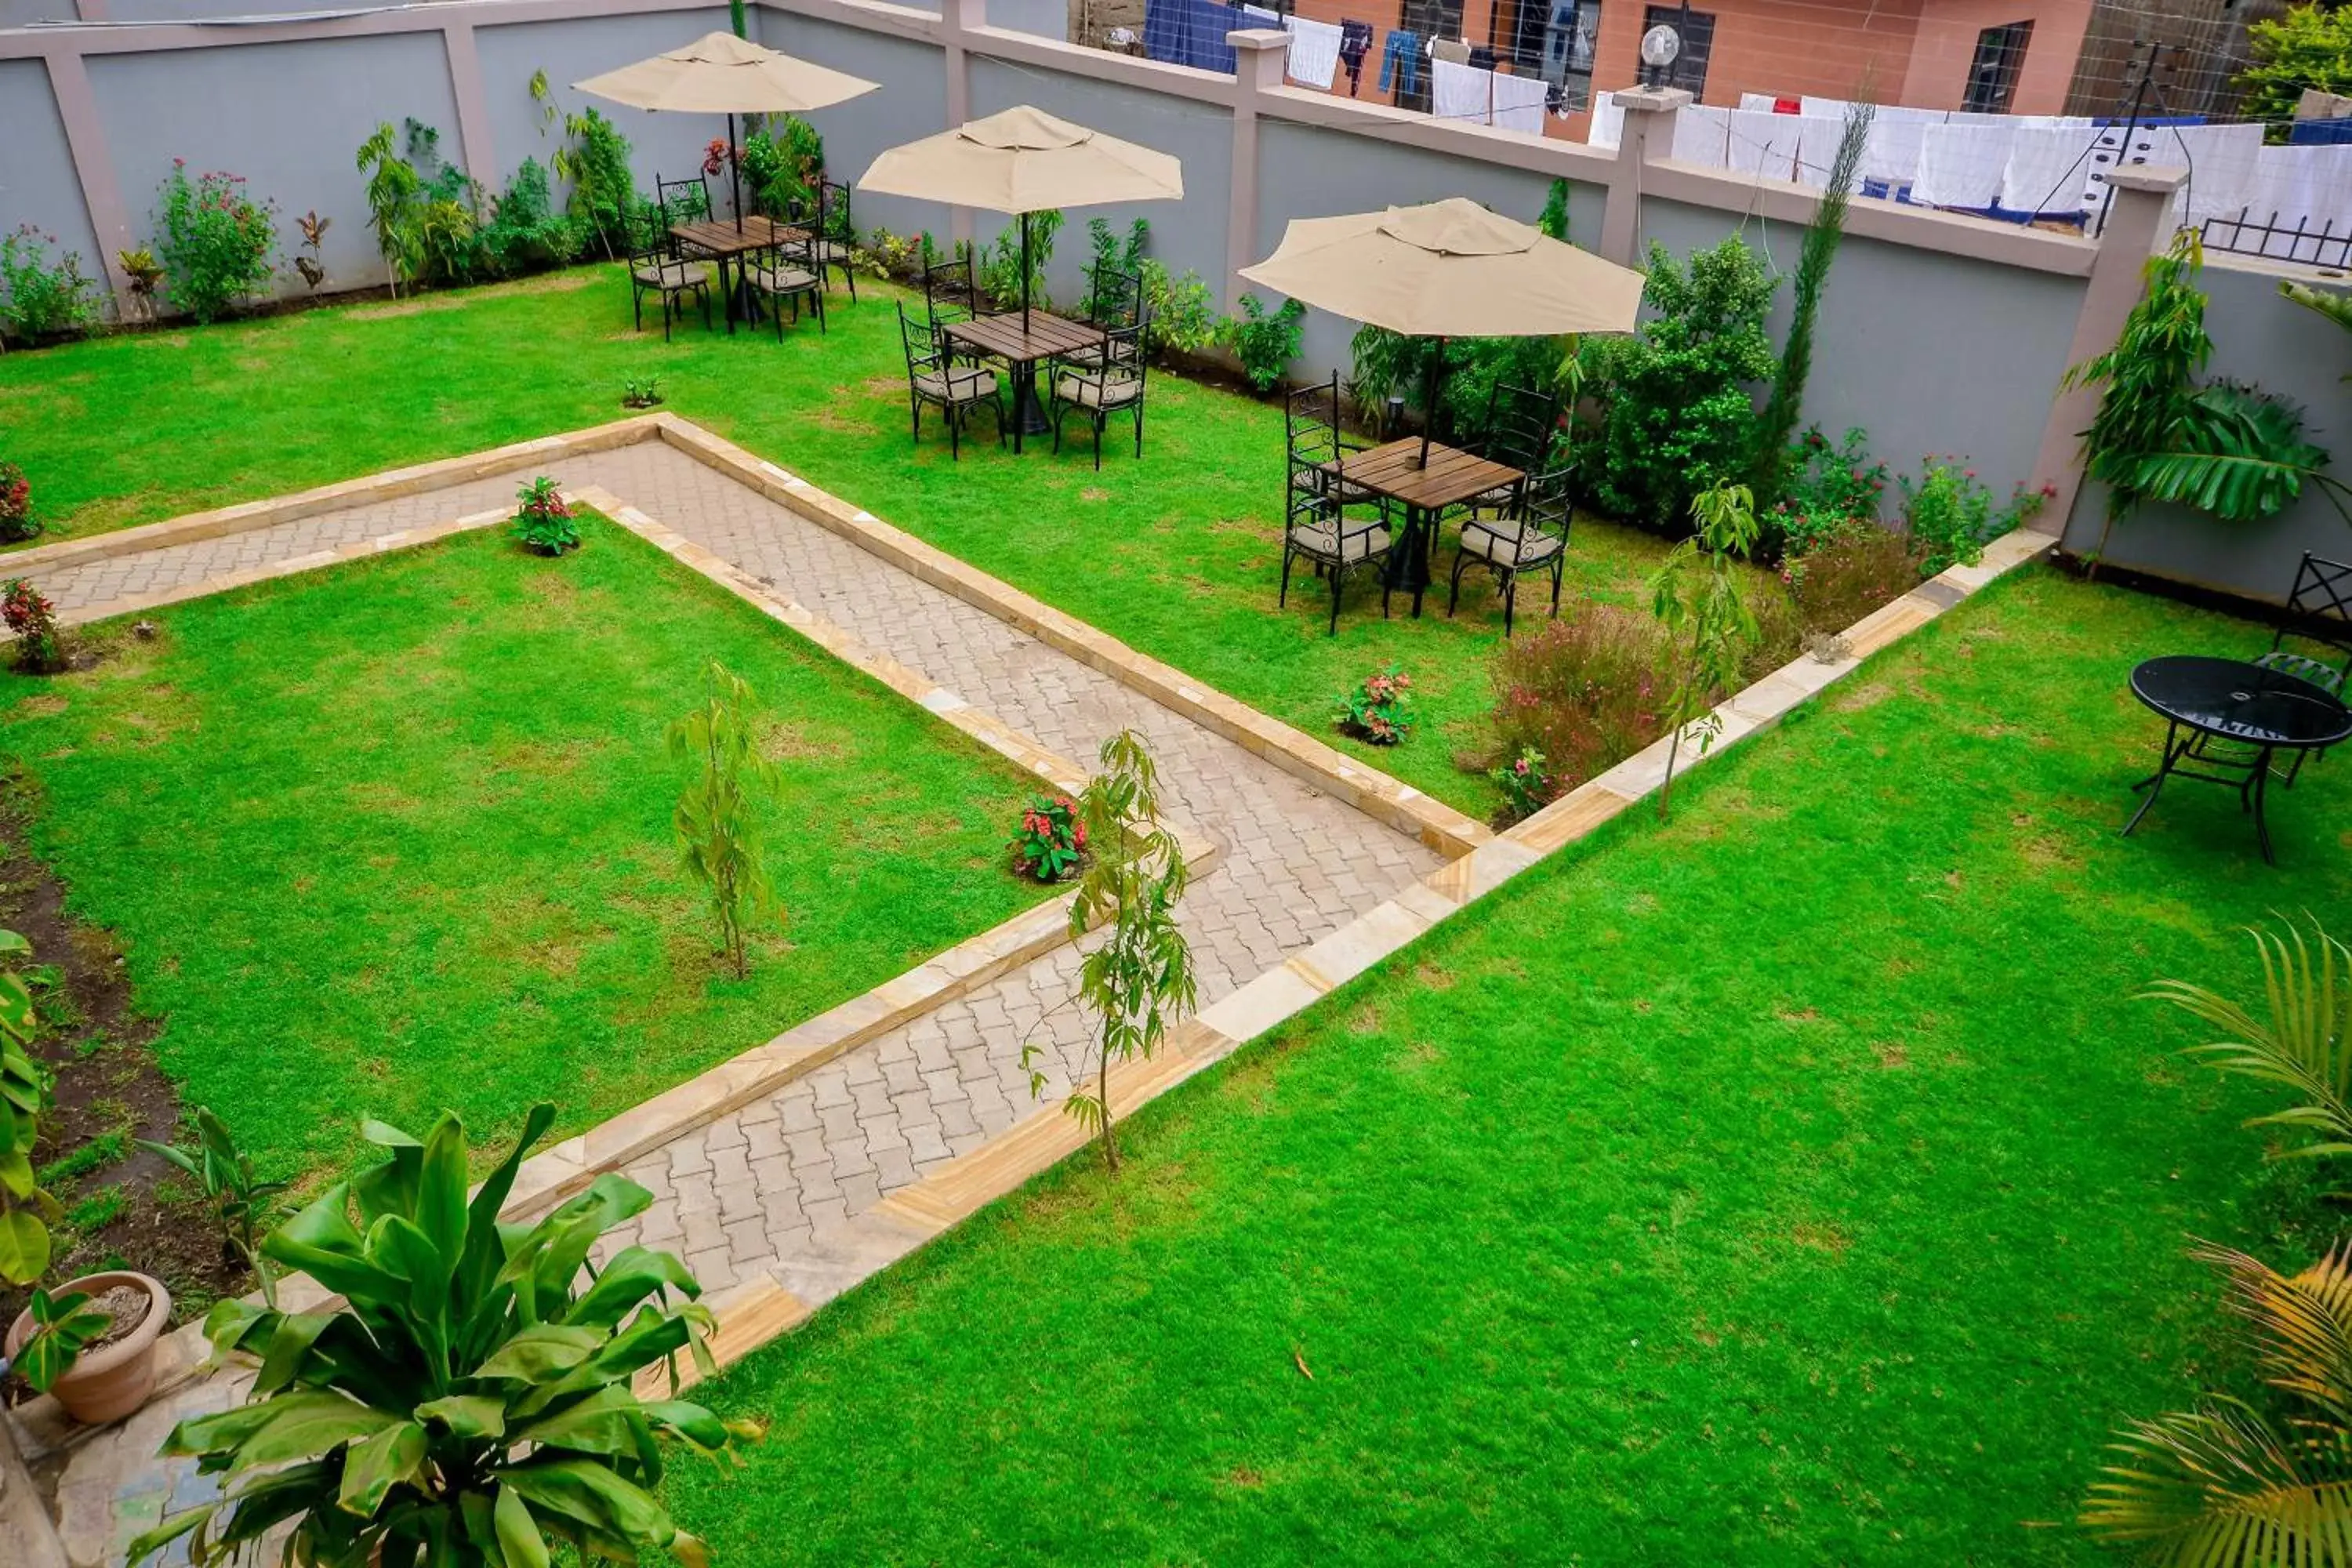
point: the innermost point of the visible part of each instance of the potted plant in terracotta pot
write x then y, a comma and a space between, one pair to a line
92, 1345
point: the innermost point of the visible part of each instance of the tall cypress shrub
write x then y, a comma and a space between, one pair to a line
1768, 473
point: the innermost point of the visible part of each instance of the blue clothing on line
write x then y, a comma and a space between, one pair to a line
1401, 58
1190, 33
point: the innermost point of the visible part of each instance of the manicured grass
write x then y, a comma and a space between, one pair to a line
396, 836
1178, 554
1797, 1182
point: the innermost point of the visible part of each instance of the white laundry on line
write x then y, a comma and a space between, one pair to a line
1460, 93
1608, 121
2048, 172
1961, 166
1762, 143
1314, 51
1702, 136
1818, 136
1519, 102
1759, 103
1891, 153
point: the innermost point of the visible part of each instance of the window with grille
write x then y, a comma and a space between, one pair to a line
1696, 30
1992, 76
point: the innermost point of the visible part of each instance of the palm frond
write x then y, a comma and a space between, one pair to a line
2336, 307
2235, 452
2305, 1043
2301, 1324
2222, 1487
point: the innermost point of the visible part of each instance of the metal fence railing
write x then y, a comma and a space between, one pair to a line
2245, 235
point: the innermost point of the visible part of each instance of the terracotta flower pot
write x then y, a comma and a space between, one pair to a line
110, 1383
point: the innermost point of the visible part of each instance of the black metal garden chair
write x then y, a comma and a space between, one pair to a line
1311, 417
1317, 529
782, 272
1530, 536
1519, 430
682, 201
949, 292
934, 376
656, 268
2318, 615
833, 235
1101, 392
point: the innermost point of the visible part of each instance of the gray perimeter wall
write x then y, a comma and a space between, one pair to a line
2262, 338
286, 116
573, 50
912, 103
38, 184
1305, 171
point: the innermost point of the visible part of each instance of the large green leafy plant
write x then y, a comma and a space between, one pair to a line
2309, 46
1697, 596
25, 1207
1680, 413
473, 1400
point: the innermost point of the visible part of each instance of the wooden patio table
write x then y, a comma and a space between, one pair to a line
718, 240
1021, 345
1450, 477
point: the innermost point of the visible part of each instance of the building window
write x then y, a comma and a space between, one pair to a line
1992, 76
1696, 30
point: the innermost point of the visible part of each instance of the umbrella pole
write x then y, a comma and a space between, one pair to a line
1429, 396
734, 175
1025, 273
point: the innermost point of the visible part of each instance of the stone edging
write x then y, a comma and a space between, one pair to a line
761, 1309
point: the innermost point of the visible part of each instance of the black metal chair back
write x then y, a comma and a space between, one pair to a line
1311, 417
682, 201
1115, 298
1520, 423
920, 339
2318, 610
833, 211
949, 291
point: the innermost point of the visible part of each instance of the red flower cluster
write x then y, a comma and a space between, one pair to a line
717, 156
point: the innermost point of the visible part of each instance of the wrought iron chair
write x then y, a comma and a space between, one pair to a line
682, 201
934, 376
833, 233
1531, 535
1311, 417
786, 271
1519, 427
1316, 529
1112, 386
2318, 614
656, 268
949, 291
1114, 301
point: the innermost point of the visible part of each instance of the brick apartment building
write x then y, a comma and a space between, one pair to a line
2017, 56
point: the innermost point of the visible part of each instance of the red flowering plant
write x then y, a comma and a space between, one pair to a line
1831, 489
40, 647
1527, 785
716, 156
1052, 840
1380, 710
543, 521
17, 520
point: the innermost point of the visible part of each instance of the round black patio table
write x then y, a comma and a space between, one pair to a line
2263, 710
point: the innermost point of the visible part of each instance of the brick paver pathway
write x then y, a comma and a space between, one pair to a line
747, 1193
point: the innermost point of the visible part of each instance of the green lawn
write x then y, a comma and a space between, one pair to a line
396, 835
1178, 553
1797, 1182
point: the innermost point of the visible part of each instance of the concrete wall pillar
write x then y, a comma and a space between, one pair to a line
1648, 137
102, 192
2138, 224
1261, 56
473, 104
959, 19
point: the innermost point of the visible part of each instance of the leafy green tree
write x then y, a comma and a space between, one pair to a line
1697, 596
1138, 978
473, 1399
718, 828
1680, 412
1775, 428
393, 188
2310, 46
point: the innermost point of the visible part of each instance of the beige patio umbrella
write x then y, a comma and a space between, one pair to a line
1023, 161
719, 73
1449, 269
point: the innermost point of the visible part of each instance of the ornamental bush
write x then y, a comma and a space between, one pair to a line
38, 296
1680, 411
1582, 694
17, 520
215, 241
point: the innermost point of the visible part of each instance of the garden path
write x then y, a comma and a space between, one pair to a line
784, 1187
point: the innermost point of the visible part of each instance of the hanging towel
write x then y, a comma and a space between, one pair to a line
1761, 142
1519, 102
1702, 136
1460, 93
1608, 121
1756, 102
1314, 52
1961, 166
1822, 108
1891, 156
1818, 136
1260, 16
1401, 61
1355, 43
2048, 173
2221, 161
1189, 33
